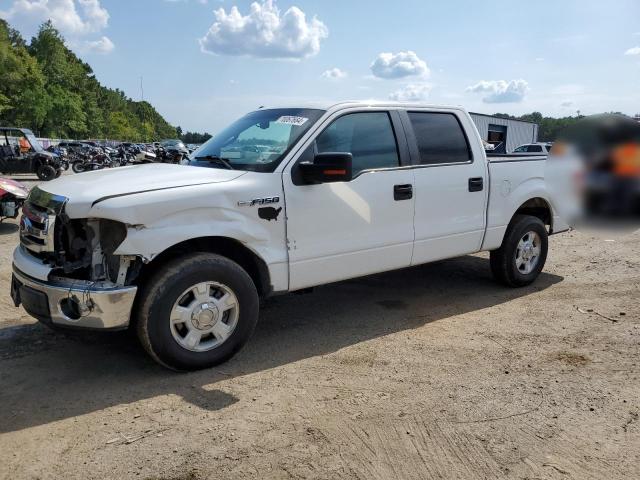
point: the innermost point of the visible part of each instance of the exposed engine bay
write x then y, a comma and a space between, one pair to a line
84, 249
77, 249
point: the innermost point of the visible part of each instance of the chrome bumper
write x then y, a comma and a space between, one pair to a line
73, 303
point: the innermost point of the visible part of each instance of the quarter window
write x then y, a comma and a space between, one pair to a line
440, 138
367, 136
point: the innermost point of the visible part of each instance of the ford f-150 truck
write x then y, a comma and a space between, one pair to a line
282, 200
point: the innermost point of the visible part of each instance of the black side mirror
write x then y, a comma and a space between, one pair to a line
328, 167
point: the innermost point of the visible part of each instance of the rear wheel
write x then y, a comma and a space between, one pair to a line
523, 252
46, 172
197, 311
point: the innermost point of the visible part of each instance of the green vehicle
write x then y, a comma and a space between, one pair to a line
21, 152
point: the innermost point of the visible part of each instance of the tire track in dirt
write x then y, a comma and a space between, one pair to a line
412, 448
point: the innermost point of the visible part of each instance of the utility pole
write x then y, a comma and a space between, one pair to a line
142, 100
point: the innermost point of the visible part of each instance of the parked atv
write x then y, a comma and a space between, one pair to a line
12, 196
21, 152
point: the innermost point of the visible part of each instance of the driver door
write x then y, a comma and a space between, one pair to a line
342, 230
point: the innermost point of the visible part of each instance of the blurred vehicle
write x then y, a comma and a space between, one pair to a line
609, 148
12, 196
21, 152
538, 148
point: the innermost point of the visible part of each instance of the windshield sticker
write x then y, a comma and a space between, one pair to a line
292, 120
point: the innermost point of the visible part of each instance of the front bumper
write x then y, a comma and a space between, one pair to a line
73, 303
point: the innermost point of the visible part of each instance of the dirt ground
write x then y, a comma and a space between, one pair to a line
430, 372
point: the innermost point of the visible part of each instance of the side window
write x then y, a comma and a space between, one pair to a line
368, 137
534, 148
520, 149
440, 138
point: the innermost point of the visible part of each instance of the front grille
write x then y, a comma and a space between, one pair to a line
37, 223
36, 229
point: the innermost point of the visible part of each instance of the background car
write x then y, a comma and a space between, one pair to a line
538, 148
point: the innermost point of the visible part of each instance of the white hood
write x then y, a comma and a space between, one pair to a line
84, 189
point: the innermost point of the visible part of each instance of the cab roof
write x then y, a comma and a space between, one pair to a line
333, 105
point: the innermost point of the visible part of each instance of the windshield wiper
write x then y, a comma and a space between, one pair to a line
215, 158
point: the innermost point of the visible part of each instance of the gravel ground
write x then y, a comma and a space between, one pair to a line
428, 372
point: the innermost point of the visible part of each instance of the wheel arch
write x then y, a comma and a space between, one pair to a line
227, 247
536, 207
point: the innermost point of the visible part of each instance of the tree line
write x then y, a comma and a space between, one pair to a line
45, 87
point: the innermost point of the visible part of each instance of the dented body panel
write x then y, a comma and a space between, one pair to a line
164, 218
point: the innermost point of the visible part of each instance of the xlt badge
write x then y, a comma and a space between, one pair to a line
259, 201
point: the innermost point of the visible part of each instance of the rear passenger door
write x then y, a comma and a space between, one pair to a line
450, 184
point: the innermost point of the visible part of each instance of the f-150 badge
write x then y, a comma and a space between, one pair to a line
259, 201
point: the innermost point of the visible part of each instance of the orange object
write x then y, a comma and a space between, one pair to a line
626, 160
25, 146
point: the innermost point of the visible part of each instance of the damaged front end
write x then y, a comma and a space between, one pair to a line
66, 271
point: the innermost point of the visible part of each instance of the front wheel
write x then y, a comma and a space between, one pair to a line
523, 252
196, 312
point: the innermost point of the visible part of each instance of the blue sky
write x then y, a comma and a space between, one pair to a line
202, 69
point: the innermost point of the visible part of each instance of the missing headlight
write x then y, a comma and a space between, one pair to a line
112, 234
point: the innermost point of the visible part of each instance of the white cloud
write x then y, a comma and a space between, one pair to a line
264, 32
103, 45
334, 74
74, 18
398, 65
566, 104
413, 92
633, 51
500, 91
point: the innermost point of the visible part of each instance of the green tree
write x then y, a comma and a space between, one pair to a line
23, 99
46, 87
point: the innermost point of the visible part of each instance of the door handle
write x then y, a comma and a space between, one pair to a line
403, 192
475, 184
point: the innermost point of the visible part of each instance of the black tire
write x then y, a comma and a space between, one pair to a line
78, 167
166, 286
46, 172
58, 173
503, 260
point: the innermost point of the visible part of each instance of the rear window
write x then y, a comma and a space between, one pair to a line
440, 138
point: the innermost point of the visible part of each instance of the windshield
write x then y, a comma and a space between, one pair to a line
33, 140
258, 141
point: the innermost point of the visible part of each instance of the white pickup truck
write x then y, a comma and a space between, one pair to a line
283, 199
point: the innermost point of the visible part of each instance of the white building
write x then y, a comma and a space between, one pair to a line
511, 133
